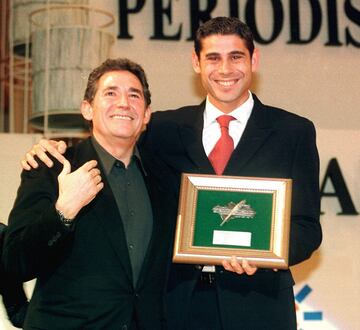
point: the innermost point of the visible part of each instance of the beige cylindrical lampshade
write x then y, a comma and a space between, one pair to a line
63, 55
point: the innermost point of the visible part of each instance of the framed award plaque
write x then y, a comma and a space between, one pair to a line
224, 216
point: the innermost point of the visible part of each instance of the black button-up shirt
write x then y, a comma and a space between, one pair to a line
132, 199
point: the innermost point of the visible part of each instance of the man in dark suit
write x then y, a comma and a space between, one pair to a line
267, 142
95, 232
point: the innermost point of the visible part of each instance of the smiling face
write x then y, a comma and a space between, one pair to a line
118, 111
225, 67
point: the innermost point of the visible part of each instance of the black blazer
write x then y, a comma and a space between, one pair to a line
275, 143
84, 278
12, 292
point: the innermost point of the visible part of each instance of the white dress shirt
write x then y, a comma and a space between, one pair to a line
211, 131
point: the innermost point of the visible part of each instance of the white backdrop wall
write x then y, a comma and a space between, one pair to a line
314, 80
317, 81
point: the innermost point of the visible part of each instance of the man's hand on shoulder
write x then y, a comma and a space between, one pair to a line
54, 148
78, 188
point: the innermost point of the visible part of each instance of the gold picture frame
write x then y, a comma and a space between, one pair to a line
224, 216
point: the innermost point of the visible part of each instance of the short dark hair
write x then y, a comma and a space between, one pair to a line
119, 64
224, 26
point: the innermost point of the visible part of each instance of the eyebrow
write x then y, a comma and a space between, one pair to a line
110, 88
212, 54
131, 89
238, 52
234, 52
136, 90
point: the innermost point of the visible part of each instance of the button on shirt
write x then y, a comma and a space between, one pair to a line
133, 202
211, 131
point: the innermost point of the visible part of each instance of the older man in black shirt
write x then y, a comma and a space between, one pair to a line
95, 232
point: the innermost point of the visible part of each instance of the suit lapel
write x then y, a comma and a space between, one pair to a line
256, 132
191, 136
104, 207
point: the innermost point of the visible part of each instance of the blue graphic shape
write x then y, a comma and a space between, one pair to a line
313, 316
303, 293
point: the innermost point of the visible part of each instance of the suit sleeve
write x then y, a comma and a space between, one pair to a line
13, 295
14, 299
36, 241
305, 232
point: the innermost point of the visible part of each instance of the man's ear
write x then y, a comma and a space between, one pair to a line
86, 110
195, 62
147, 115
255, 60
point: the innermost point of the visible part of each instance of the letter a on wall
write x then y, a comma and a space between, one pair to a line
333, 173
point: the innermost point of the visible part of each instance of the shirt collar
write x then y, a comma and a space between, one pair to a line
108, 161
241, 113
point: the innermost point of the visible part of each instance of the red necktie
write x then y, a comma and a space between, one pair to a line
224, 147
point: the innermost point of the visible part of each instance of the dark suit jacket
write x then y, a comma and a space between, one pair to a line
12, 292
84, 277
275, 144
